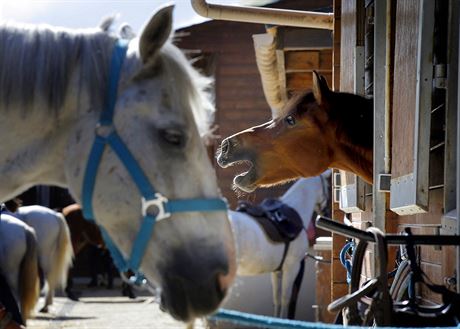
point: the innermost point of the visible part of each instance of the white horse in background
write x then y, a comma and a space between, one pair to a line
19, 262
55, 251
256, 254
54, 85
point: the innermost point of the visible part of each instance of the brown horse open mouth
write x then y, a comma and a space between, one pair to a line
246, 180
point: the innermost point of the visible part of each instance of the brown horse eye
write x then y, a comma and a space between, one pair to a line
290, 120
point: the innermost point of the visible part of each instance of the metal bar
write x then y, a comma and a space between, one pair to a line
450, 160
424, 99
409, 193
440, 106
455, 10
434, 147
309, 19
391, 239
380, 100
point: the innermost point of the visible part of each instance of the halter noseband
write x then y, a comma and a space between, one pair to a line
106, 135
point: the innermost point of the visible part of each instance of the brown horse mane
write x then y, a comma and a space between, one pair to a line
355, 119
352, 119
352, 113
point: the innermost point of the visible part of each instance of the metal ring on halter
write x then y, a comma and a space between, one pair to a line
133, 280
159, 202
104, 131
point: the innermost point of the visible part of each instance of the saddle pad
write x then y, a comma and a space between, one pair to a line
280, 222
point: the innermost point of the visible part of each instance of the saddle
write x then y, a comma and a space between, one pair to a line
280, 222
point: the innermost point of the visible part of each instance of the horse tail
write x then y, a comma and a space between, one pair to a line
63, 256
29, 281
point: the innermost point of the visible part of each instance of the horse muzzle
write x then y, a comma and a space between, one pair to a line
193, 288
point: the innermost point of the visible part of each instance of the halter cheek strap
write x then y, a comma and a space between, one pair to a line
106, 135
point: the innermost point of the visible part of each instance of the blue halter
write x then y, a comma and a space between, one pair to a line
106, 135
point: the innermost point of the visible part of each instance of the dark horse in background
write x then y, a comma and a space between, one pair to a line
85, 234
316, 130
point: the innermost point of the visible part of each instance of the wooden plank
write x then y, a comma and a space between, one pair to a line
302, 60
348, 40
403, 123
340, 273
337, 35
325, 59
239, 70
323, 291
298, 38
434, 273
339, 290
448, 266
304, 80
409, 193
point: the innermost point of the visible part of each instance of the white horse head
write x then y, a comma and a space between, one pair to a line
53, 84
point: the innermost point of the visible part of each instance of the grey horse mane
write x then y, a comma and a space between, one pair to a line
37, 63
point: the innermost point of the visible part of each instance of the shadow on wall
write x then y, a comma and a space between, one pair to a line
254, 295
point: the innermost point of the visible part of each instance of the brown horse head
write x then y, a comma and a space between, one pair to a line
317, 129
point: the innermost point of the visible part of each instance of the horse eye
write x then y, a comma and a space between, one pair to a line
290, 120
173, 136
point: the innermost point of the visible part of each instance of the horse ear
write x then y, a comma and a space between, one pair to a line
155, 33
320, 88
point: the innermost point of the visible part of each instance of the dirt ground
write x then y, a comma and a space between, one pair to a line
101, 308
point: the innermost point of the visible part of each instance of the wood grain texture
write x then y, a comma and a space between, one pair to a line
404, 87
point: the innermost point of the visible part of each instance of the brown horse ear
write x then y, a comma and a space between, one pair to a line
320, 88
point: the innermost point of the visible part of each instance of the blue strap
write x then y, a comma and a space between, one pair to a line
92, 165
184, 205
346, 262
118, 57
106, 117
136, 172
117, 257
261, 321
142, 239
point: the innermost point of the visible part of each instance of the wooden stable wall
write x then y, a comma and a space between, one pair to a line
435, 261
240, 100
239, 97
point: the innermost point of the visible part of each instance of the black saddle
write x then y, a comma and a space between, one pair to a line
280, 222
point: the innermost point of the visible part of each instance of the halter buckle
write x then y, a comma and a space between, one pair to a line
103, 130
159, 202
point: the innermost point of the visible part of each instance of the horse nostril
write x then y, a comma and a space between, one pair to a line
225, 146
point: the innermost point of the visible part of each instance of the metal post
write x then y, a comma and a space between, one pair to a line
380, 64
458, 170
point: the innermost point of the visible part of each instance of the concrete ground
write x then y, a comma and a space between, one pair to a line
101, 308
